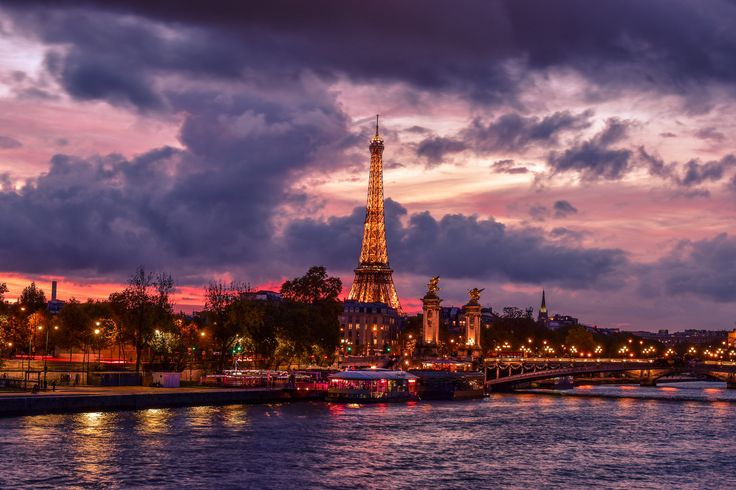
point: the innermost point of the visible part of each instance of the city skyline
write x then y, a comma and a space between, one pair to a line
584, 149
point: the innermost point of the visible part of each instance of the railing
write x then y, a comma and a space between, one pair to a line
586, 360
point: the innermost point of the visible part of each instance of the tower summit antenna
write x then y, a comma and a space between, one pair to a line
376, 124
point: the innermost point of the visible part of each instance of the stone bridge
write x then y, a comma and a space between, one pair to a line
503, 373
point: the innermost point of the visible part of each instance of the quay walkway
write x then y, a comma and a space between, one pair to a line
95, 398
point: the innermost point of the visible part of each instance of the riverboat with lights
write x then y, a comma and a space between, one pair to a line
372, 386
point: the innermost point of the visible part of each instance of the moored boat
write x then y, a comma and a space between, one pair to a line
448, 385
371, 386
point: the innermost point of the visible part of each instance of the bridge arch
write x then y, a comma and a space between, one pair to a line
504, 374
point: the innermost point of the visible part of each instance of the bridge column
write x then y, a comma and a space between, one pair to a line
731, 382
647, 379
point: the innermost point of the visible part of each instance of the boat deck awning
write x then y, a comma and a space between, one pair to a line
373, 375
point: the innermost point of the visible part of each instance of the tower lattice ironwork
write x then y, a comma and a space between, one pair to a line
373, 277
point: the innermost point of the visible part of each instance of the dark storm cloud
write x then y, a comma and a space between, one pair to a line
508, 167
435, 148
8, 143
87, 78
538, 212
710, 133
508, 133
689, 174
697, 173
457, 246
705, 268
594, 158
210, 205
338, 239
483, 49
563, 209
567, 234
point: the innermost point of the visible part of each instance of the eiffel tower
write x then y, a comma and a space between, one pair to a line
373, 282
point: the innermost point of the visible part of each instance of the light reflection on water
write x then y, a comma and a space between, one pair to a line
507, 440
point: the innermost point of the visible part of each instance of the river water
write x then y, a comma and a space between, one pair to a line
675, 436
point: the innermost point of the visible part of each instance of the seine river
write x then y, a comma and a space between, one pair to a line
675, 436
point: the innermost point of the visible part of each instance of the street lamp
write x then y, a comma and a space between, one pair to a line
46, 354
97, 339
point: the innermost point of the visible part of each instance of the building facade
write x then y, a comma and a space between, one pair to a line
369, 329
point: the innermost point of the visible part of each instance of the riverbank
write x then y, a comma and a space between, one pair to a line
95, 399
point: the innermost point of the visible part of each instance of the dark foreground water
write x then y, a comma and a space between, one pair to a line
509, 441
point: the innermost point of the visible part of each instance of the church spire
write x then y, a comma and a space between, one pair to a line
543, 316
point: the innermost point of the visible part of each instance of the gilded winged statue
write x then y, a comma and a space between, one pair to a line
475, 294
433, 287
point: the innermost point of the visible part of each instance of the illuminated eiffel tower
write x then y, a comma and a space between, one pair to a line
373, 282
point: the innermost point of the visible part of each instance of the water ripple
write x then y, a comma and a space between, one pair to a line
511, 441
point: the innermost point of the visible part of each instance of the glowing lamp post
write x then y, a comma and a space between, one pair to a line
97, 340
46, 354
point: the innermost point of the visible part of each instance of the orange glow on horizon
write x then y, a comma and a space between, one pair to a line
185, 298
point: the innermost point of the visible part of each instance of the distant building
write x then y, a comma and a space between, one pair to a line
262, 295
604, 331
486, 317
369, 328
451, 318
689, 337
559, 321
55, 305
698, 337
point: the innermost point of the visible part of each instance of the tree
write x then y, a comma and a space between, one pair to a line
512, 312
37, 322
580, 339
260, 321
32, 298
76, 326
4, 307
412, 333
313, 287
15, 330
313, 322
143, 305
225, 323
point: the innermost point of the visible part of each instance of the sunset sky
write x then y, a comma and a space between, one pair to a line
583, 147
